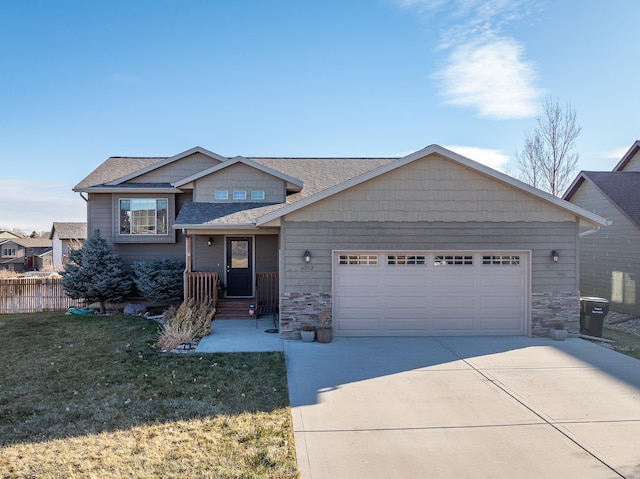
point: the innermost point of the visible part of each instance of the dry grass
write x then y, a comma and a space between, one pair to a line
88, 397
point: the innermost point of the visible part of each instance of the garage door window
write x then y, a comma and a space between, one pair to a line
453, 260
403, 259
501, 259
358, 259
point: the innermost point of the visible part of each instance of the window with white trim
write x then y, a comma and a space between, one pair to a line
239, 195
453, 260
8, 252
222, 195
405, 259
144, 216
257, 195
358, 259
501, 259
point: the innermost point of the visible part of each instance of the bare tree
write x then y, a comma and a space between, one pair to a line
546, 160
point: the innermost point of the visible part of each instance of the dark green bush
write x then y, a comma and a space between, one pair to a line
160, 280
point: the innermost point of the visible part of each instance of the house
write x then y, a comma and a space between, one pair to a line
8, 235
65, 236
25, 254
610, 257
432, 243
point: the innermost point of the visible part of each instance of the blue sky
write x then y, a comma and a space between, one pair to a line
81, 81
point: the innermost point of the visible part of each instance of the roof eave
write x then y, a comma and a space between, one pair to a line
436, 149
115, 189
204, 226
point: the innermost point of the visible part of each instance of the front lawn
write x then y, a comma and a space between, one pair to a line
87, 397
625, 343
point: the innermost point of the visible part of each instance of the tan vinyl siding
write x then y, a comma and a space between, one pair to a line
609, 258
321, 238
208, 258
266, 259
432, 189
178, 170
633, 164
240, 177
212, 259
101, 217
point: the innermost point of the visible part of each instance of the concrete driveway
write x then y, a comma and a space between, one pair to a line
463, 408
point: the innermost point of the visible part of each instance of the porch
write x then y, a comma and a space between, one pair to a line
204, 286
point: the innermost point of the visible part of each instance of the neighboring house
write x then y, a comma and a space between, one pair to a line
428, 244
610, 257
8, 235
65, 236
25, 254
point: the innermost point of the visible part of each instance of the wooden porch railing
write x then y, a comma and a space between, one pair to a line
201, 286
267, 293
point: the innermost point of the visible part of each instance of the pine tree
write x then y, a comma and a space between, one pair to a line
95, 273
160, 280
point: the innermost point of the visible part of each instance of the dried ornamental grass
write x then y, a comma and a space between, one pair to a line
185, 323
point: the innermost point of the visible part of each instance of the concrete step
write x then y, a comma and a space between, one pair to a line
233, 309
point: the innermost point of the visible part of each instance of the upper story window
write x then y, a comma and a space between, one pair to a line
239, 195
257, 195
222, 195
143, 216
8, 251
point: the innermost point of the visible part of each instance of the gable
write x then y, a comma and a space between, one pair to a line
178, 169
241, 178
608, 193
631, 159
432, 188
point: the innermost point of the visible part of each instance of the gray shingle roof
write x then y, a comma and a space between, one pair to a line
622, 188
317, 174
114, 168
69, 230
197, 213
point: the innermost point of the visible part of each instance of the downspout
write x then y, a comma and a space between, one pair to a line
592, 230
85, 199
187, 262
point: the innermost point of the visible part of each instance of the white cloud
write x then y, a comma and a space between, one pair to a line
35, 205
487, 156
617, 154
491, 78
484, 70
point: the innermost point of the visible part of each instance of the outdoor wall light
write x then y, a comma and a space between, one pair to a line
307, 256
555, 256
210, 241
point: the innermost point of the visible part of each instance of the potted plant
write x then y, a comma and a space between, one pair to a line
307, 333
558, 331
324, 333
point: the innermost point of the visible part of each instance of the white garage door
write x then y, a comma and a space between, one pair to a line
430, 293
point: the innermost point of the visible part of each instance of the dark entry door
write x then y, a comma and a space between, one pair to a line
239, 266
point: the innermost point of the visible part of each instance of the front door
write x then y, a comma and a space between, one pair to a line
240, 266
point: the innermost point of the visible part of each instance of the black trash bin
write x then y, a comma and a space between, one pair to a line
592, 314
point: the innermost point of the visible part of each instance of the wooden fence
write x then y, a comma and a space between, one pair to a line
32, 295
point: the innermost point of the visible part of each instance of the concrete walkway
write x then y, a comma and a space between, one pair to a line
463, 408
240, 336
